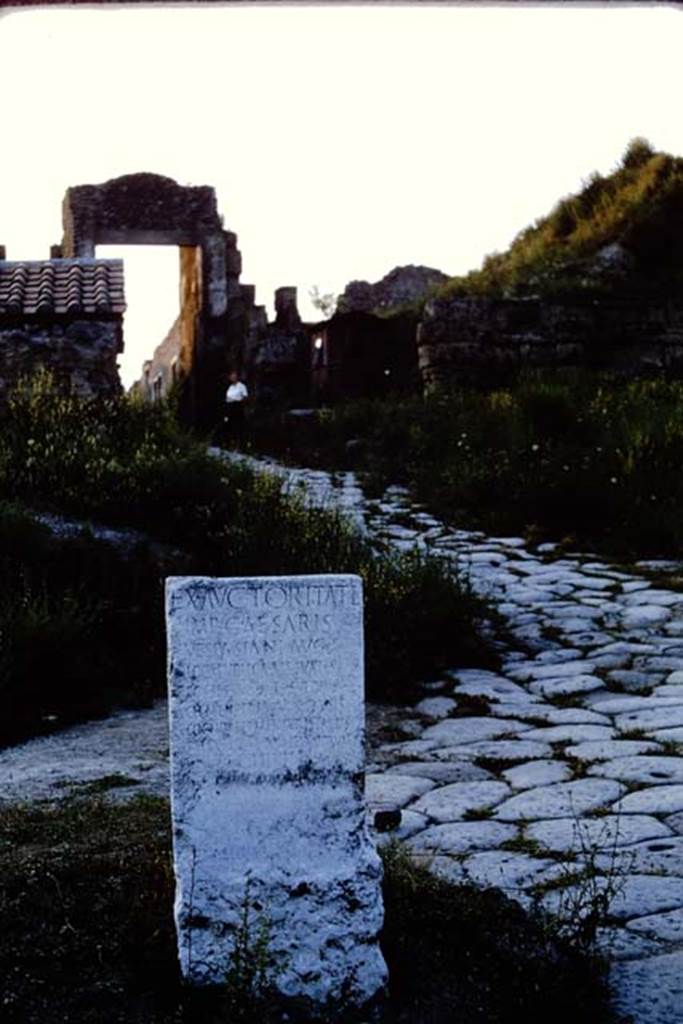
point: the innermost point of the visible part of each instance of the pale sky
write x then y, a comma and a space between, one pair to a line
342, 141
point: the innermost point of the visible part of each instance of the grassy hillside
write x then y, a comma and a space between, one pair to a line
620, 232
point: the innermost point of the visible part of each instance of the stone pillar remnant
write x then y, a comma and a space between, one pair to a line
267, 721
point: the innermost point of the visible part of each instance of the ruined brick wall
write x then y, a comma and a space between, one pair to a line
478, 340
81, 354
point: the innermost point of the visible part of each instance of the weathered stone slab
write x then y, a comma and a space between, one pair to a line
266, 711
563, 800
564, 835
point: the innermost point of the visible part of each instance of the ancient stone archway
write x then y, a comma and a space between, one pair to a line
148, 209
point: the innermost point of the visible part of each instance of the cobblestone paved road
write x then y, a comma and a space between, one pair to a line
574, 755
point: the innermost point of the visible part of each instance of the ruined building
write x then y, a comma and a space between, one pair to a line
65, 315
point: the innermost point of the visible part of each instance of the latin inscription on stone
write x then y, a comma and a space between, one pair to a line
267, 719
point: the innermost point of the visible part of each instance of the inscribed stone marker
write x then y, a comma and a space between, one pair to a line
267, 721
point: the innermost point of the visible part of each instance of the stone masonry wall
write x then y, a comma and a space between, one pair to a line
80, 353
477, 340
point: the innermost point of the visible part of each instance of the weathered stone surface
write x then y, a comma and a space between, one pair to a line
651, 719
410, 824
666, 927
653, 800
641, 768
435, 707
471, 730
566, 834
450, 803
475, 338
394, 790
622, 944
645, 615
505, 869
654, 856
675, 822
650, 990
537, 773
607, 750
462, 837
400, 286
565, 687
498, 750
564, 800
570, 733
80, 354
266, 684
641, 895
458, 771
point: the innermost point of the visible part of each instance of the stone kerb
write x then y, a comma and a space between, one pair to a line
267, 722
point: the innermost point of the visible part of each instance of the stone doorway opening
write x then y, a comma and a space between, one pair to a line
152, 274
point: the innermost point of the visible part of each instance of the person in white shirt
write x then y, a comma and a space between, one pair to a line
235, 398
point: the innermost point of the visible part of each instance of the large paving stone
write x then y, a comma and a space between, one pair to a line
566, 834
571, 733
458, 771
651, 718
537, 773
675, 822
462, 837
501, 750
626, 647
644, 768
654, 856
635, 681
470, 730
650, 990
611, 705
666, 927
665, 598
607, 750
409, 748
563, 800
566, 687
519, 708
507, 870
392, 789
557, 656
435, 707
664, 664
645, 615
569, 716
669, 735
622, 944
560, 670
451, 803
638, 896
652, 800
667, 689
496, 688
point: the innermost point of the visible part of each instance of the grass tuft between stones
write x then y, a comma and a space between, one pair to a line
87, 937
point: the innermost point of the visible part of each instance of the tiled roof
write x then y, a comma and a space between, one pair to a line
68, 287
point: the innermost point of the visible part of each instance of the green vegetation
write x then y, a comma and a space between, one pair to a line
564, 456
91, 611
87, 937
639, 207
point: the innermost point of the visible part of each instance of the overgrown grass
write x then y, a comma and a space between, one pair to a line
86, 934
565, 456
639, 206
81, 621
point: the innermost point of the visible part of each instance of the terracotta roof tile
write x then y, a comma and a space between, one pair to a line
66, 287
